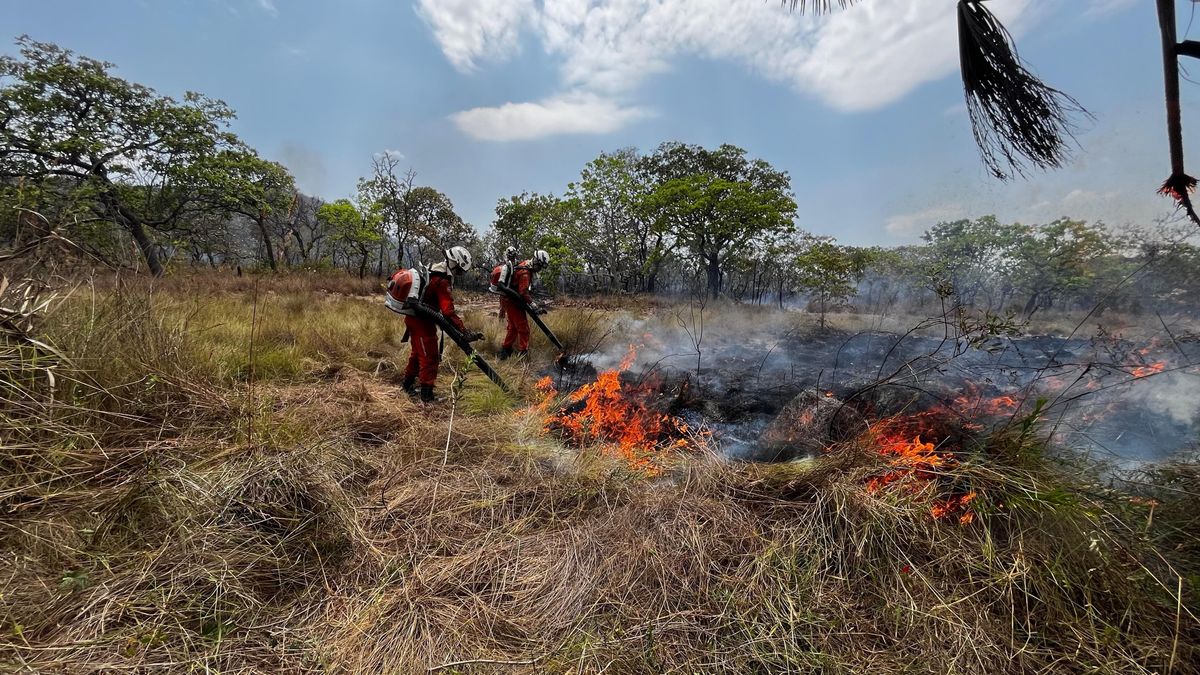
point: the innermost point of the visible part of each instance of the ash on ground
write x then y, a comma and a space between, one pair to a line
769, 399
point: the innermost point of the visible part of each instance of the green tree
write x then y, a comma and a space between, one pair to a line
1059, 259
434, 222
522, 219
239, 182
533, 221
612, 229
718, 202
354, 229
389, 193
974, 257
65, 118
828, 272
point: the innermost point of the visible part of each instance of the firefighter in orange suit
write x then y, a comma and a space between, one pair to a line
434, 291
516, 338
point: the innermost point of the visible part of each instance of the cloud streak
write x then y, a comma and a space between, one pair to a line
909, 225
551, 117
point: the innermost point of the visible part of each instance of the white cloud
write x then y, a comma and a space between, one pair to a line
268, 6
391, 154
559, 115
1076, 203
1080, 197
956, 110
473, 30
909, 225
858, 59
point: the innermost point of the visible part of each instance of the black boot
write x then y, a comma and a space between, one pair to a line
505, 353
409, 386
427, 394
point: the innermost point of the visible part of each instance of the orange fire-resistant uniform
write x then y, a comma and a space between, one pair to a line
517, 335
424, 358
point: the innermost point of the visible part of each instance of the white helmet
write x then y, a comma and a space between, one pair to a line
510, 254
458, 257
540, 259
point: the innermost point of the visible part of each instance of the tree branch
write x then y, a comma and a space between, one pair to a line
1188, 48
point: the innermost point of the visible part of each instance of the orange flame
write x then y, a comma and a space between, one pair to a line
1147, 371
955, 508
916, 463
914, 458
618, 416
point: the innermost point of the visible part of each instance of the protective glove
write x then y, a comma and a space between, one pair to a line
474, 336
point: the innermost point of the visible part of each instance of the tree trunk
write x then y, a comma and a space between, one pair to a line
1030, 306
382, 251
130, 222
1178, 185
300, 244
714, 277
261, 221
1166, 22
147, 247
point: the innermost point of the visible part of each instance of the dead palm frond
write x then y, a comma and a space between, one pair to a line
817, 6
1017, 120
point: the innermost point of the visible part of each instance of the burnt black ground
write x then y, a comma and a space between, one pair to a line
1092, 401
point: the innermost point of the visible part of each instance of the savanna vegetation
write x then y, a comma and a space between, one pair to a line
208, 465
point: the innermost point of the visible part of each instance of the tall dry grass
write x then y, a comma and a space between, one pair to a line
166, 507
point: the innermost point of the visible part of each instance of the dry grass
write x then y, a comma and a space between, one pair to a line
163, 512
206, 282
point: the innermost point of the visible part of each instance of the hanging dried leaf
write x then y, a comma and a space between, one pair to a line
817, 6
1018, 121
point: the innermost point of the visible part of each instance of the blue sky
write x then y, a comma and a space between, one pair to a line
489, 98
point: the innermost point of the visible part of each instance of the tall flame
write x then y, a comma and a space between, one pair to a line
915, 462
617, 416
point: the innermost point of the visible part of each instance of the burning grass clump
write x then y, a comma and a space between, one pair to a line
621, 416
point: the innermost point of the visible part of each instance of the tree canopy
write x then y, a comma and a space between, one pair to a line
139, 159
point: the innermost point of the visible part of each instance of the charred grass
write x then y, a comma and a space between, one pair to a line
166, 507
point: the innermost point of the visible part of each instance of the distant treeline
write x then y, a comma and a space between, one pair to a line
134, 178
